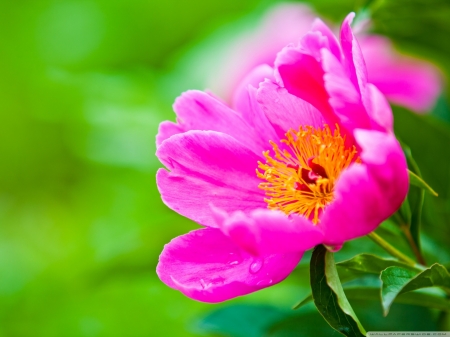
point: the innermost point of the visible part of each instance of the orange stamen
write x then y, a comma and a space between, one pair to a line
301, 178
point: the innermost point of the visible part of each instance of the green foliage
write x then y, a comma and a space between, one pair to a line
413, 298
371, 264
329, 296
415, 180
399, 280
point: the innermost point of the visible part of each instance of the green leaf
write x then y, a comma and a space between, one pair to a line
306, 300
373, 294
329, 296
412, 298
415, 180
416, 198
372, 264
399, 280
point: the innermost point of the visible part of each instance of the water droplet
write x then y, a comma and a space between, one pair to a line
256, 266
203, 283
234, 259
264, 283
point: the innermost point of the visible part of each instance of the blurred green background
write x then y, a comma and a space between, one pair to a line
83, 87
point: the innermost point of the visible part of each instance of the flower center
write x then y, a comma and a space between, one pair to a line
300, 178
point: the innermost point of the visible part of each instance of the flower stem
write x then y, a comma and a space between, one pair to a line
390, 249
407, 232
413, 245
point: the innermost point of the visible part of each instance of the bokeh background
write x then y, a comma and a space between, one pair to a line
83, 86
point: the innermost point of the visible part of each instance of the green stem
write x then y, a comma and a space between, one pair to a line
408, 235
390, 249
413, 245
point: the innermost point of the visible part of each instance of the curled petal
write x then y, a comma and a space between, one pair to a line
302, 75
353, 58
333, 45
366, 194
380, 111
207, 266
344, 97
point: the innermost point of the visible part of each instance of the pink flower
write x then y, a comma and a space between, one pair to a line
309, 157
404, 80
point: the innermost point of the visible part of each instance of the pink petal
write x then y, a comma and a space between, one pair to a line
380, 110
302, 76
265, 231
167, 129
312, 42
207, 266
333, 45
208, 167
254, 78
344, 96
286, 111
197, 110
367, 194
404, 80
246, 104
353, 58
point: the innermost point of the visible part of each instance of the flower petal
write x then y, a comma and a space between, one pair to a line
404, 80
333, 45
353, 58
302, 75
207, 266
245, 102
197, 110
265, 231
344, 96
286, 111
380, 111
167, 129
367, 194
208, 166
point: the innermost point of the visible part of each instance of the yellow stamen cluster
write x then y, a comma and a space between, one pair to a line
301, 177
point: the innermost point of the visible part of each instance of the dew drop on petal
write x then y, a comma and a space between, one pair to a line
203, 283
234, 259
256, 266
